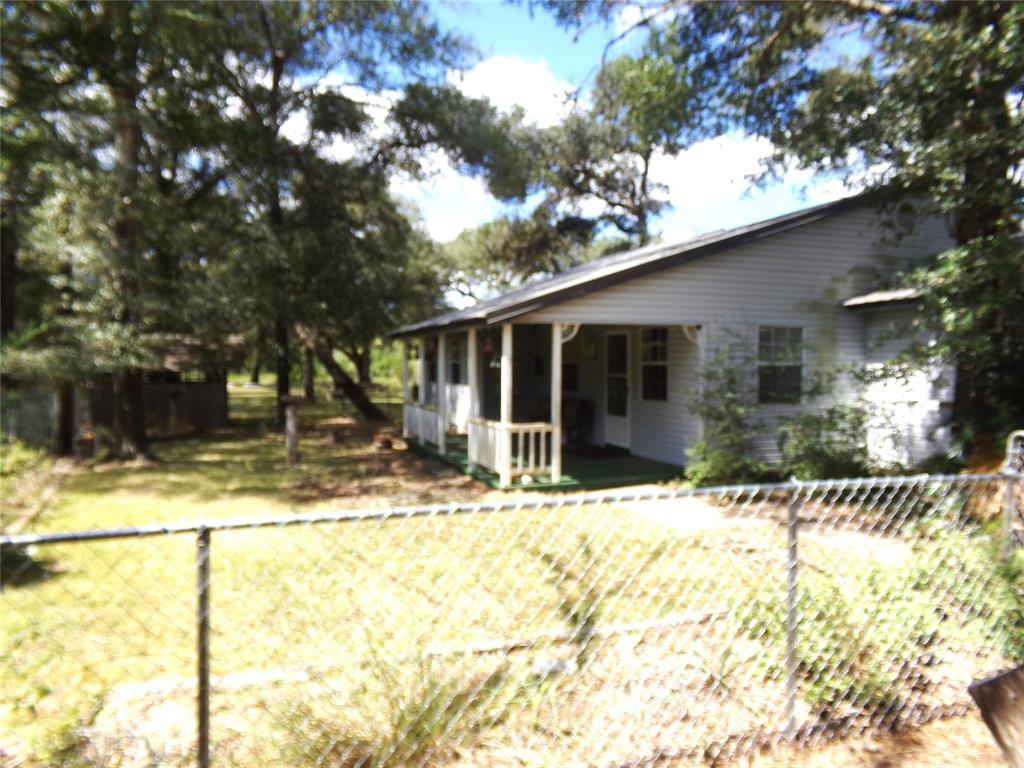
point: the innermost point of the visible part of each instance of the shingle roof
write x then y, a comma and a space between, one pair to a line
617, 267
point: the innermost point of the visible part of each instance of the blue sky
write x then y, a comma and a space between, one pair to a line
527, 60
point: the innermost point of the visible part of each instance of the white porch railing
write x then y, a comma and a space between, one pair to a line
511, 449
420, 422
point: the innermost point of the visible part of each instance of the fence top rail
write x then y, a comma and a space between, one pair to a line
438, 510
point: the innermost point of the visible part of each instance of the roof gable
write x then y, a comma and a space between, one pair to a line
618, 267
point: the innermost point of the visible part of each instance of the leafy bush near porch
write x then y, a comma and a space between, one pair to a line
726, 407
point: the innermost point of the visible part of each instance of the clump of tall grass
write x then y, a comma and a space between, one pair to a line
421, 714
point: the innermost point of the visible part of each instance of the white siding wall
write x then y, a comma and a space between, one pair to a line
908, 423
798, 278
663, 431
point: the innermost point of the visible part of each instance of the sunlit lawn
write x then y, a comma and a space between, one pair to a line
306, 614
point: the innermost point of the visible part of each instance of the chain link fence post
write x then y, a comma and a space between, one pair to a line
1010, 513
203, 646
792, 618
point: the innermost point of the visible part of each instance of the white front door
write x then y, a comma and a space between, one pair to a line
616, 389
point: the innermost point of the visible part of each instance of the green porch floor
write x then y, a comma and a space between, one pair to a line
582, 469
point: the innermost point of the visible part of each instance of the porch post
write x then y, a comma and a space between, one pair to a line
405, 386
423, 390
442, 394
556, 402
473, 375
423, 371
505, 460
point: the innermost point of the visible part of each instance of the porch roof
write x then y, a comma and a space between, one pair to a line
613, 269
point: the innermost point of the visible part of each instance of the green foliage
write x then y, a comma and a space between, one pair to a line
1009, 570
825, 444
726, 405
16, 458
865, 628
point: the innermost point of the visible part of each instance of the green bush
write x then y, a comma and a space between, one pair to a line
726, 406
824, 445
865, 631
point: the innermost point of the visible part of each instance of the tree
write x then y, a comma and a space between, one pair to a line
324, 66
67, 66
925, 105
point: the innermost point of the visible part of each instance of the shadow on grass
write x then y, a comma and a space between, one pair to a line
19, 569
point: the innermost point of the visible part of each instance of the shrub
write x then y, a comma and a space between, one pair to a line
726, 405
824, 445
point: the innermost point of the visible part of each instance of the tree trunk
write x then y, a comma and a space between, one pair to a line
64, 442
8, 265
283, 365
360, 357
308, 389
129, 424
129, 416
344, 384
254, 375
8, 272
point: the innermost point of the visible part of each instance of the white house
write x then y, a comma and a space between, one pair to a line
598, 361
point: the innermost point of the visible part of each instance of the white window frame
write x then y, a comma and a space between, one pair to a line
646, 347
775, 363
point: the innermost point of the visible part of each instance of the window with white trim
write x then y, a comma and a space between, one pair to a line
654, 364
780, 364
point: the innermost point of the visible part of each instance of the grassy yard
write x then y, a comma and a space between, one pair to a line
526, 637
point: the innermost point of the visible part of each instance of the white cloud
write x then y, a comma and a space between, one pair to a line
709, 187
711, 171
449, 201
511, 81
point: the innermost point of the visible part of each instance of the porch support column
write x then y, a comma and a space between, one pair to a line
473, 374
423, 371
505, 461
556, 402
422, 395
405, 386
442, 393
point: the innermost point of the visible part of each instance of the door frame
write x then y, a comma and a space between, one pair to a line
626, 334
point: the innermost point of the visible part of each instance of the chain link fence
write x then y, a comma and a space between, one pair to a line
620, 629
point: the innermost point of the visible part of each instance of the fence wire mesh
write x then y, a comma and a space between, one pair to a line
613, 630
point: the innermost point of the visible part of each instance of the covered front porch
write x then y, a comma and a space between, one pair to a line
546, 406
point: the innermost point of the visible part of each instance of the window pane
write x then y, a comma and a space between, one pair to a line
779, 344
779, 383
654, 382
654, 344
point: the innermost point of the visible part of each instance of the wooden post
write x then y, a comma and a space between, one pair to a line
423, 371
474, 390
442, 393
505, 461
1001, 701
405, 386
556, 402
291, 428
